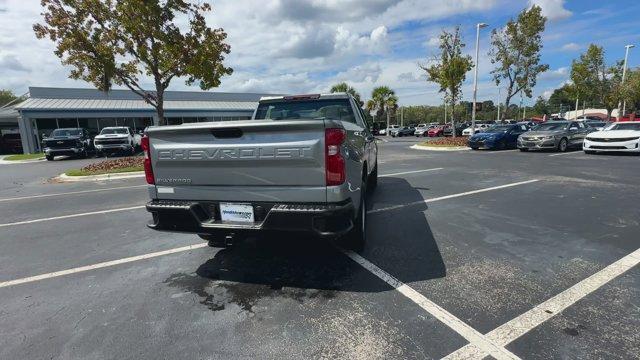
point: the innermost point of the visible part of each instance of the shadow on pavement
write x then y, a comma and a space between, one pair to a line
301, 267
400, 240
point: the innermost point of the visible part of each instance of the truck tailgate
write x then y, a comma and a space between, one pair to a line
239, 153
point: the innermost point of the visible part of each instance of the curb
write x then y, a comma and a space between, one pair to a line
103, 177
8, 162
439, 148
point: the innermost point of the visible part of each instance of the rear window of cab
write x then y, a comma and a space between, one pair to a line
329, 109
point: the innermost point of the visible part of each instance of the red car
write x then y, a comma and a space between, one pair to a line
436, 131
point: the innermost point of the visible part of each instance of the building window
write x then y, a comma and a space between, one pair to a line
174, 121
68, 123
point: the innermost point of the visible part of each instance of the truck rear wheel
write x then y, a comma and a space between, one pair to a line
357, 237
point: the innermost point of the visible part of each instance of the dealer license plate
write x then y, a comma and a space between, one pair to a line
230, 212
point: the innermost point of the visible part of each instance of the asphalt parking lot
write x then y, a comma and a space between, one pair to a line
470, 254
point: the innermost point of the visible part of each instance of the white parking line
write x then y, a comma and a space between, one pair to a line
451, 196
410, 172
492, 152
99, 265
472, 335
567, 153
71, 193
72, 216
512, 330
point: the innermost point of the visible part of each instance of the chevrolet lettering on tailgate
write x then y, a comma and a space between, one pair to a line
237, 153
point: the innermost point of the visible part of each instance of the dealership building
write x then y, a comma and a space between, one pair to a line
47, 109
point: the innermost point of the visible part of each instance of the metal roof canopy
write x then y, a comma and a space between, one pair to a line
73, 99
75, 93
36, 104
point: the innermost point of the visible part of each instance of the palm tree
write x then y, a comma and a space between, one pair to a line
343, 87
383, 99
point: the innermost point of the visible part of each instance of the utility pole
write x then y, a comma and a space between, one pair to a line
401, 115
445, 111
624, 73
520, 106
576, 117
499, 104
584, 103
475, 79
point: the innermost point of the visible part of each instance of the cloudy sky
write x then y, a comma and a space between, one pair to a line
296, 46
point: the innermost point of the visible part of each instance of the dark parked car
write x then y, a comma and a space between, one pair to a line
555, 135
403, 131
72, 141
12, 143
448, 131
498, 137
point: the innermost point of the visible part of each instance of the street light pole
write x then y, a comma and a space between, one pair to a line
475, 78
624, 73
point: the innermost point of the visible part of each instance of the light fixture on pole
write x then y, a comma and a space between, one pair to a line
475, 78
624, 73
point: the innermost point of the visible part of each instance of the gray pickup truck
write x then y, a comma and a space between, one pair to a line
303, 163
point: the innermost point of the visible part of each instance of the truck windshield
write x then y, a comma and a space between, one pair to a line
113, 131
66, 132
333, 109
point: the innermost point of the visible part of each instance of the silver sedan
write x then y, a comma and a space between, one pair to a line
554, 135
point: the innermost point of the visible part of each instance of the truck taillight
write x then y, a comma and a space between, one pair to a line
148, 170
334, 162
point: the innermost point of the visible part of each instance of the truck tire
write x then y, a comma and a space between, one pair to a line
357, 237
373, 179
49, 157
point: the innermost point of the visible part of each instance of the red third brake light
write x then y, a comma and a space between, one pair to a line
148, 170
334, 162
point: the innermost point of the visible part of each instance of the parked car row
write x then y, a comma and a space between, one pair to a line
560, 136
78, 142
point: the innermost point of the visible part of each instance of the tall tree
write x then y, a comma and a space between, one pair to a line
631, 89
562, 98
383, 100
7, 97
541, 107
108, 42
449, 68
343, 87
595, 81
516, 53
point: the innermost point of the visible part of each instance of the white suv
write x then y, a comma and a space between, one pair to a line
117, 139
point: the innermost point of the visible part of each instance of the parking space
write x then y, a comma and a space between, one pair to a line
463, 248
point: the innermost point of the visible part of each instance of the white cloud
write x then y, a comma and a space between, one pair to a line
559, 73
552, 9
277, 46
571, 47
432, 42
369, 72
